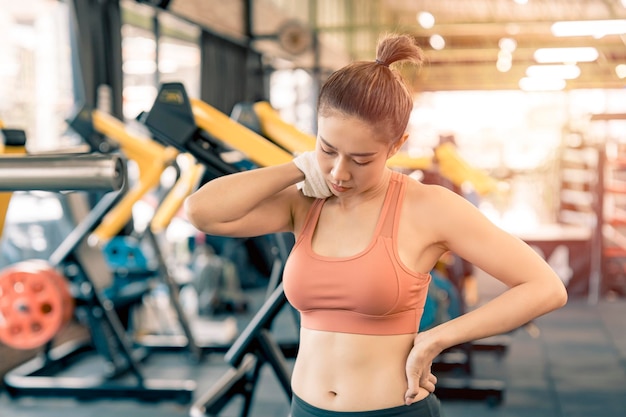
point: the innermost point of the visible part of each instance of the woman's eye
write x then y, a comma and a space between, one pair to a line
327, 152
361, 163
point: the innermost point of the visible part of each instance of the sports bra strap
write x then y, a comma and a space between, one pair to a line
389, 211
311, 219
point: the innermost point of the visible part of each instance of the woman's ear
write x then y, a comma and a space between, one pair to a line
397, 145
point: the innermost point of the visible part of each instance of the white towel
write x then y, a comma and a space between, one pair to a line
314, 184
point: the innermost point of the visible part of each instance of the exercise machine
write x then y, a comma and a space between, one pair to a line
103, 131
254, 348
13, 142
195, 127
36, 295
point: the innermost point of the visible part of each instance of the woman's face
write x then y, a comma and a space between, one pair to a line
351, 155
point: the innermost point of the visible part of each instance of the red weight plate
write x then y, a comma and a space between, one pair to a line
35, 303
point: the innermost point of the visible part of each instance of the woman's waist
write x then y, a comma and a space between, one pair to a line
351, 372
351, 389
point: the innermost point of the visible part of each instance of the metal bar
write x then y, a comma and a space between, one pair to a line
68, 172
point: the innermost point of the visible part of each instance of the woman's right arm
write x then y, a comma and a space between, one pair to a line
248, 203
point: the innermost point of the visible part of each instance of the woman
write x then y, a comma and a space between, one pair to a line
366, 239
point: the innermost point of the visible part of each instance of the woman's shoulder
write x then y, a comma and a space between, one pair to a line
300, 207
414, 186
431, 197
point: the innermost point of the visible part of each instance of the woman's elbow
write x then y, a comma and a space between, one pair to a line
194, 213
558, 294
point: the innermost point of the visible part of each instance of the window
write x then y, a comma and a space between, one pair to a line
36, 91
177, 50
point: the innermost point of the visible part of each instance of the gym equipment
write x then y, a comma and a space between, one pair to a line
151, 165
152, 161
96, 306
457, 170
173, 201
13, 142
209, 135
35, 304
191, 125
90, 172
172, 123
221, 144
125, 256
252, 349
442, 302
151, 158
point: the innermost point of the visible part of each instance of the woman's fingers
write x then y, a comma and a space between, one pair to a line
429, 382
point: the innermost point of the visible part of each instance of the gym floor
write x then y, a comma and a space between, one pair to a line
567, 364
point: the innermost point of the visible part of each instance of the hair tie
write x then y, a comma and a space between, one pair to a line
379, 62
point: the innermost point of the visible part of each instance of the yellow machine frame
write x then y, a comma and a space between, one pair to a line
5, 197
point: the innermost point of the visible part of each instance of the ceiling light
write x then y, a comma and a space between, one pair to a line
595, 28
566, 55
541, 84
505, 60
505, 55
620, 70
512, 29
437, 42
426, 20
504, 65
566, 72
507, 44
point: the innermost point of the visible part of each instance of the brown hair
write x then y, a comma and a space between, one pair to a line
373, 91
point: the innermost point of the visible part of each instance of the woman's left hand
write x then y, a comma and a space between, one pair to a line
418, 368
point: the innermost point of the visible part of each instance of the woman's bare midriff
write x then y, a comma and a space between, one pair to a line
352, 372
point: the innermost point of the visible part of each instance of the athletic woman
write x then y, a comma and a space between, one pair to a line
367, 238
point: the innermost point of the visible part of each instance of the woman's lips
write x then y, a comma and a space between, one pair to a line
339, 188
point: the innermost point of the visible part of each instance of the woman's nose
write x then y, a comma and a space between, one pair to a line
340, 170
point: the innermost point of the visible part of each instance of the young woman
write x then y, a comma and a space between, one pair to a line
366, 239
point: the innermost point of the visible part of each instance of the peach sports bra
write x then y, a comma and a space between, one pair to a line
371, 292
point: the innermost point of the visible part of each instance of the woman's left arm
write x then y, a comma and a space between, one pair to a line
534, 289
